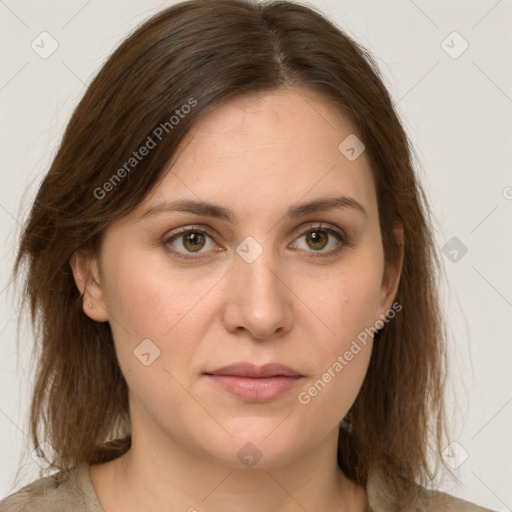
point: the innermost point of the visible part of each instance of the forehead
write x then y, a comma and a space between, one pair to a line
276, 148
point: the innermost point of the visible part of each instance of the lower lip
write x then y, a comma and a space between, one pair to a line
252, 389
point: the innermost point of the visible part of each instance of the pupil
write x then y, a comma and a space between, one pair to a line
193, 240
316, 237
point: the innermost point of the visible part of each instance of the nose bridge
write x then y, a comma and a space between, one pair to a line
260, 281
257, 300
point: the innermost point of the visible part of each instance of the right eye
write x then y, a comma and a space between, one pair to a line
189, 241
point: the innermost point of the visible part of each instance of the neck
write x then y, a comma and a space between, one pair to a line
149, 477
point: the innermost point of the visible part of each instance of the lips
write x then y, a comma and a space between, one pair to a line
251, 370
253, 383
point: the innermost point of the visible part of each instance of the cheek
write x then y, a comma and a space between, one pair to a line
333, 391
348, 307
145, 301
150, 297
349, 301
341, 356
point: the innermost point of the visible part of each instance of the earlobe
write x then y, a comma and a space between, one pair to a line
86, 275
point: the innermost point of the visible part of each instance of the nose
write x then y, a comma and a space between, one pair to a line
257, 298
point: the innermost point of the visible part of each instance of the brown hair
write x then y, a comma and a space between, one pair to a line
203, 53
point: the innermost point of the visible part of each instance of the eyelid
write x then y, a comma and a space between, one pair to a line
325, 227
191, 227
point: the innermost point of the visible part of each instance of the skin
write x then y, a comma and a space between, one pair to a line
257, 156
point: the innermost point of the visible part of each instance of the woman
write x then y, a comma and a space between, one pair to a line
233, 274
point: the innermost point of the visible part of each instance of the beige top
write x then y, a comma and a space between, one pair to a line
73, 491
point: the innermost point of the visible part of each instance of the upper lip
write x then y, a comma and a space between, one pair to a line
252, 370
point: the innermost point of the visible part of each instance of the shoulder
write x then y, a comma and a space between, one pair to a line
59, 492
382, 498
440, 501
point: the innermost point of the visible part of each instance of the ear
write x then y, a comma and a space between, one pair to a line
86, 273
393, 271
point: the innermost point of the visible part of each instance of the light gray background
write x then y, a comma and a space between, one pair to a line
457, 112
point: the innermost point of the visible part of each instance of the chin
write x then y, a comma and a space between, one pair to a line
259, 451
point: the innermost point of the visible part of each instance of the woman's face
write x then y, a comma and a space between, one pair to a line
253, 280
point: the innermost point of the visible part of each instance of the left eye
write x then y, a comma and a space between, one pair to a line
319, 237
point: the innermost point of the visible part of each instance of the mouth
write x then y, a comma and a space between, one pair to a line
256, 384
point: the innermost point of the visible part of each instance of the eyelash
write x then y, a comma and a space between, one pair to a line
342, 238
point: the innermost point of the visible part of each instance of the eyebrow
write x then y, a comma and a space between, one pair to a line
207, 209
